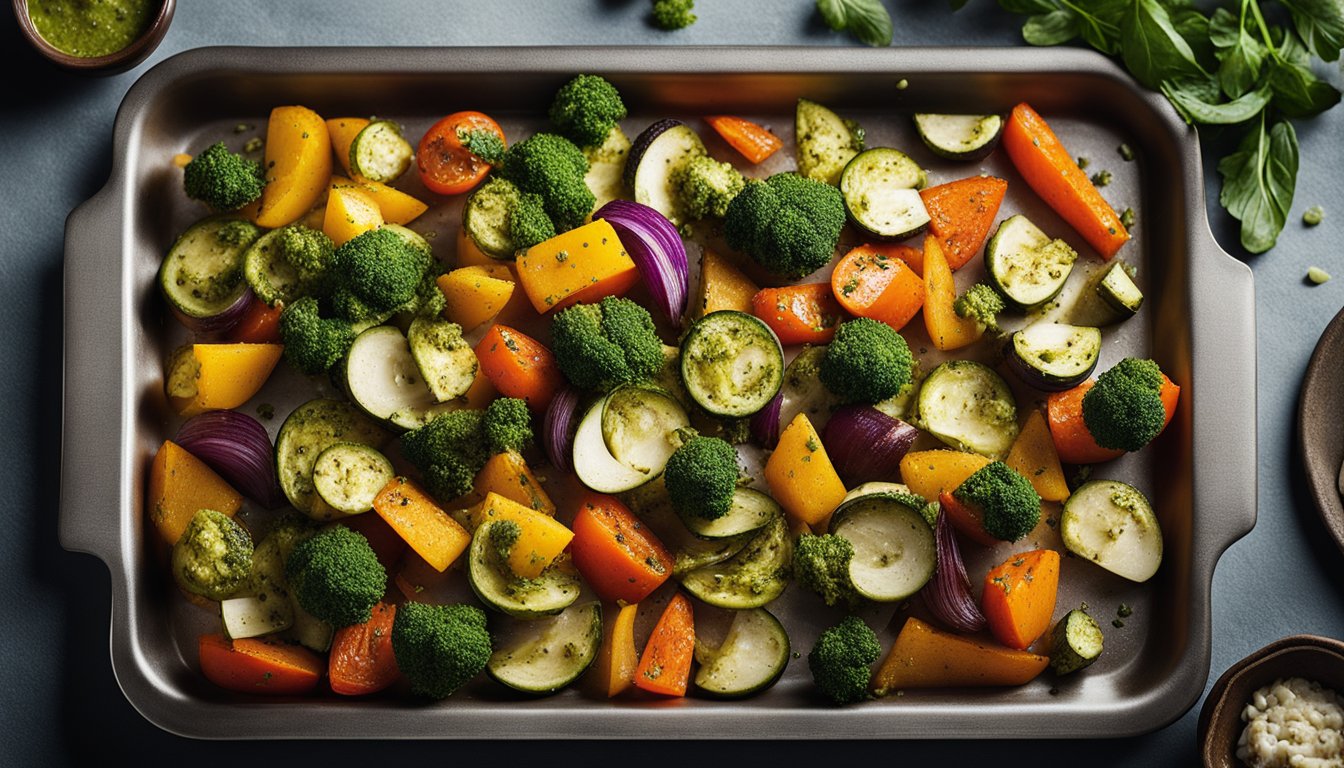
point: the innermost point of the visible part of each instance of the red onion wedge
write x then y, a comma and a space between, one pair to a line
865, 444
656, 248
237, 447
765, 422
557, 429
948, 595
220, 323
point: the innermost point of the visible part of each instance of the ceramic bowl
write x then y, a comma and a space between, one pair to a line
1307, 656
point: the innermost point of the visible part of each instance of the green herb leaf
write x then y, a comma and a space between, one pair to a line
1298, 92
1101, 24
1320, 23
1241, 57
1258, 181
1152, 48
1197, 110
867, 20
1051, 28
1029, 7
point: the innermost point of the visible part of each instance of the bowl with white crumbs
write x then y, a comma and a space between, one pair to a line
1280, 706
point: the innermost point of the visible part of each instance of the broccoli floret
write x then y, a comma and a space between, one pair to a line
380, 268
1124, 410
706, 186
980, 303
482, 143
336, 576
313, 343
237, 232
701, 476
553, 167
223, 180
586, 109
599, 346
503, 535
439, 647
673, 14
213, 558
866, 362
841, 661
307, 250
821, 563
528, 222
788, 224
1009, 506
452, 448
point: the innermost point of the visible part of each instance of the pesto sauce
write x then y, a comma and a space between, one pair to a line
90, 28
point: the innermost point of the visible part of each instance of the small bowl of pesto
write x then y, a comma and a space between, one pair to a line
96, 37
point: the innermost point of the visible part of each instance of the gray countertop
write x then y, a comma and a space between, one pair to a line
59, 700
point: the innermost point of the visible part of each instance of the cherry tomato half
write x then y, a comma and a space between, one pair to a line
447, 167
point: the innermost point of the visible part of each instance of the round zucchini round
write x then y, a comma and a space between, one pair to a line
751, 658
732, 363
497, 586
542, 656
894, 550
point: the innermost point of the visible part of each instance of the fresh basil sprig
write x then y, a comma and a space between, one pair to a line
1231, 67
867, 20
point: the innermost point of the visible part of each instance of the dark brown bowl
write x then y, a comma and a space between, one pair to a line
111, 64
1307, 656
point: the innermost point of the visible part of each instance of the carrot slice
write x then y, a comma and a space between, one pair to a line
519, 366
961, 213
799, 314
755, 142
615, 552
259, 666
946, 330
967, 519
872, 281
923, 657
361, 660
1019, 597
665, 666
1052, 172
1075, 445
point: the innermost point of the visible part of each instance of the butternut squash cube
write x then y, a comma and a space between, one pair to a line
298, 165
474, 295
180, 485
582, 265
350, 212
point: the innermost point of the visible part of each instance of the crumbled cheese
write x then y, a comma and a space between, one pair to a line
1293, 723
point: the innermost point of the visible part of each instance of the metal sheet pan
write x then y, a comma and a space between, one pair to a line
1198, 322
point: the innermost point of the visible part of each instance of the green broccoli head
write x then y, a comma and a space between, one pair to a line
1009, 506
673, 14
706, 186
508, 425
307, 250
980, 303
1124, 410
585, 110
448, 451
312, 343
701, 476
213, 558
528, 222
483, 143
503, 536
821, 563
788, 224
866, 362
600, 346
223, 180
553, 167
336, 576
841, 661
380, 268
439, 648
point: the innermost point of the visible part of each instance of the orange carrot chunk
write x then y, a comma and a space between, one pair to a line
924, 657
961, 213
519, 366
361, 659
799, 314
1019, 597
665, 666
755, 142
874, 282
259, 666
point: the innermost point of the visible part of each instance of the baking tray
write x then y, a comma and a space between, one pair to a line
1198, 322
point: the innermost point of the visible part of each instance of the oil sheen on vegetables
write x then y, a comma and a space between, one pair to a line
90, 28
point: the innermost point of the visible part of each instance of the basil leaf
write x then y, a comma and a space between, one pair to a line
1197, 110
1297, 90
1224, 28
1051, 28
1258, 181
867, 20
1101, 24
1152, 48
833, 13
1320, 23
1240, 65
1193, 27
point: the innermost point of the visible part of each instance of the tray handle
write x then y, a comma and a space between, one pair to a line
1224, 390
93, 395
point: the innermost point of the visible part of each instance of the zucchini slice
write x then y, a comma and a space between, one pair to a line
752, 577
496, 585
731, 363
959, 137
348, 477
485, 217
251, 616
636, 427
380, 153
970, 407
657, 152
825, 142
1054, 356
894, 551
751, 511
542, 656
308, 431
1076, 642
1112, 524
1025, 264
446, 361
751, 658
880, 188
1118, 290
380, 375
606, 167
202, 275
269, 275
